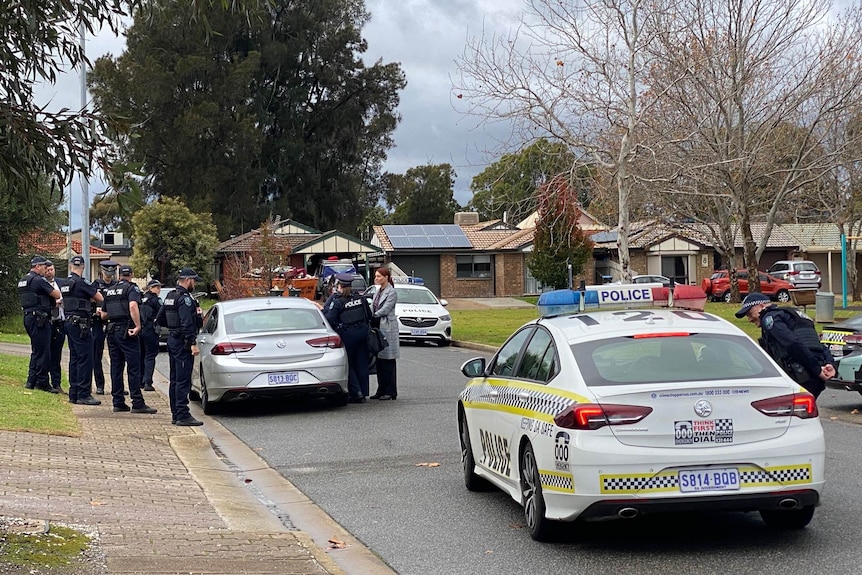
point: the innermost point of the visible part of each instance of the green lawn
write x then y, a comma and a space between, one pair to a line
32, 410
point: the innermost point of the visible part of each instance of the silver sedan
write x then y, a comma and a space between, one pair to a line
271, 347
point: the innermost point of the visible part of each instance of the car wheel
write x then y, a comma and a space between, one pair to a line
539, 526
793, 519
471, 481
783, 296
209, 407
726, 297
443, 342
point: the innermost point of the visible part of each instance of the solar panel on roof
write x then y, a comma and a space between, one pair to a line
426, 236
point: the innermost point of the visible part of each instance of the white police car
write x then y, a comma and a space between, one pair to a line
589, 413
421, 316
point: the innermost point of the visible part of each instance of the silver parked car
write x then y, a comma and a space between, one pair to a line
270, 347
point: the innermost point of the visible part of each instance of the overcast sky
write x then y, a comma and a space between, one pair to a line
425, 37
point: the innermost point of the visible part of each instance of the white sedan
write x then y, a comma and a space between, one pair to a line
598, 414
421, 316
268, 347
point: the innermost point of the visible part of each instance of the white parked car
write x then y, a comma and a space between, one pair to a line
421, 316
268, 347
603, 414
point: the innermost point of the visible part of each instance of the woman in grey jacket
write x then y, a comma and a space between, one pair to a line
383, 310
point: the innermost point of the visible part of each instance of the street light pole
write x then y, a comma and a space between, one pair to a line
85, 191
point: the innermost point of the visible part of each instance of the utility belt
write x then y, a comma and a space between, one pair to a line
176, 333
42, 317
114, 325
352, 325
80, 321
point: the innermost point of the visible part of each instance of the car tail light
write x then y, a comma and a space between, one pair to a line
230, 347
330, 341
594, 415
801, 405
853, 339
793, 273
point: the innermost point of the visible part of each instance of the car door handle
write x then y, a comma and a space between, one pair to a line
493, 392
202, 340
524, 395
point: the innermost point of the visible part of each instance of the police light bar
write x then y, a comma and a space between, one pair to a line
620, 296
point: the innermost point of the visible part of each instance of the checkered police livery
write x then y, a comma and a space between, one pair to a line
652, 406
669, 480
524, 398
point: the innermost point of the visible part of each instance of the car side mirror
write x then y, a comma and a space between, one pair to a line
474, 367
444, 303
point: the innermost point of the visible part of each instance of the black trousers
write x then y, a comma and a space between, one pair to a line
149, 351
80, 360
125, 353
181, 365
387, 377
58, 338
98, 352
39, 330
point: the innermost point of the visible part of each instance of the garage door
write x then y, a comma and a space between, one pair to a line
425, 267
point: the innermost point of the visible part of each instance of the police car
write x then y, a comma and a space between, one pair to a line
625, 400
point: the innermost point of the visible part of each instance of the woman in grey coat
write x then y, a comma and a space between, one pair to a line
383, 310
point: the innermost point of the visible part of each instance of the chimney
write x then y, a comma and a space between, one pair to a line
466, 218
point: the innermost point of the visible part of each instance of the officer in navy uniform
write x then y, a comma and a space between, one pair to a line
38, 298
182, 316
58, 330
79, 295
789, 336
108, 269
350, 315
150, 306
122, 310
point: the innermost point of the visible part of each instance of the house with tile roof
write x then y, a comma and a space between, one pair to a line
53, 245
305, 247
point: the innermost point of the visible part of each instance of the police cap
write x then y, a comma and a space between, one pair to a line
186, 273
40, 261
344, 279
77, 260
153, 283
125, 270
750, 301
108, 264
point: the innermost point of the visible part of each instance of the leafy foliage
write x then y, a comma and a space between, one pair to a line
509, 185
558, 240
274, 114
422, 195
168, 236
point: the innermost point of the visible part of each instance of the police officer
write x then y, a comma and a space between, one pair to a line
182, 316
150, 306
349, 314
108, 270
58, 331
122, 310
38, 298
79, 295
789, 336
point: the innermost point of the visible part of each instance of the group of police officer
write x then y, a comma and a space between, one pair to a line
110, 310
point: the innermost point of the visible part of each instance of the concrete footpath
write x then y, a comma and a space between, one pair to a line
163, 499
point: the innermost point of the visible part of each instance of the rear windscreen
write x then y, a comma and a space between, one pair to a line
264, 320
693, 357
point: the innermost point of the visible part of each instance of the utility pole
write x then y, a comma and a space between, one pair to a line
85, 191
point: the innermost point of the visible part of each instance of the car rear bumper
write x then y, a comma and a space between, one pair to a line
281, 392
630, 508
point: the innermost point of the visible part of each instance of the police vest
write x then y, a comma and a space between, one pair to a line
150, 305
169, 316
73, 302
804, 330
116, 303
30, 300
353, 312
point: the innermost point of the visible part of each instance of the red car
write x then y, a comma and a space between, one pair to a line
717, 287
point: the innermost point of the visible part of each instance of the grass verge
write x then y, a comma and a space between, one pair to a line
60, 547
32, 410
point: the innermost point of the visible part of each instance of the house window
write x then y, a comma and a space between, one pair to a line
478, 266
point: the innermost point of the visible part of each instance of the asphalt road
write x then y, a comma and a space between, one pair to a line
390, 473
